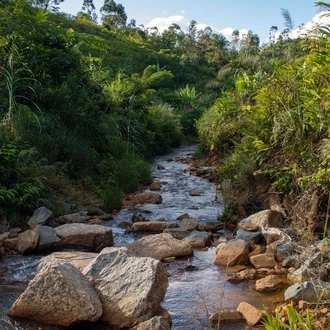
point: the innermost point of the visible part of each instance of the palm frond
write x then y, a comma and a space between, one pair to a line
288, 21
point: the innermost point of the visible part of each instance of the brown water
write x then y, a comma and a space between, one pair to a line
192, 295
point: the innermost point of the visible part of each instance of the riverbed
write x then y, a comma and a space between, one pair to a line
197, 288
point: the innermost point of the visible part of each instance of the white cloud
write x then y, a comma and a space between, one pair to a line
182, 11
163, 23
317, 20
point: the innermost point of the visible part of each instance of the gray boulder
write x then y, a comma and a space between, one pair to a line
198, 239
310, 291
90, 237
130, 288
41, 216
47, 238
59, 294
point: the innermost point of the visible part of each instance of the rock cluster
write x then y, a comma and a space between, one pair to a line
117, 287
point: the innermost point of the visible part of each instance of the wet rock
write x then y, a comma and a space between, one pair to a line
41, 216
212, 226
153, 226
138, 217
189, 224
160, 167
310, 291
183, 216
155, 323
155, 186
91, 237
178, 233
194, 193
59, 294
47, 238
198, 239
160, 246
224, 316
269, 283
265, 260
27, 241
252, 236
251, 314
130, 288
235, 252
147, 198
80, 260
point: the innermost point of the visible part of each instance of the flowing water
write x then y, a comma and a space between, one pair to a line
197, 287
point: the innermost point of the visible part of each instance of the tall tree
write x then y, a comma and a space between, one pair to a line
49, 5
113, 15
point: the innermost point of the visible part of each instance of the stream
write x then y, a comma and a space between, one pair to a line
192, 295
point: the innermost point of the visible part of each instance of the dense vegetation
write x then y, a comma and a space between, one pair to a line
84, 106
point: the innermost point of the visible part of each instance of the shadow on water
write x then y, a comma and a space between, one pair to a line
197, 288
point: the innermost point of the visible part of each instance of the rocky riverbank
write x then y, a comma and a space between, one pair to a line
261, 251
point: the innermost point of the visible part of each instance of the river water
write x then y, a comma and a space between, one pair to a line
197, 288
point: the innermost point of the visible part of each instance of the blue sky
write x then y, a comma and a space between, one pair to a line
222, 15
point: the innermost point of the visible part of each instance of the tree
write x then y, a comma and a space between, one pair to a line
288, 22
48, 5
113, 15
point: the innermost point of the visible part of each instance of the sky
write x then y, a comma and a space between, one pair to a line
223, 16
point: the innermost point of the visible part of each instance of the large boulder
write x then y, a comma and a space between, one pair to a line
41, 216
235, 252
59, 294
130, 287
91, 237
160, 246
27, 241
